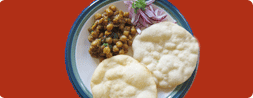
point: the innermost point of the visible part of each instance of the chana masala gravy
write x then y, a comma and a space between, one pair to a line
111, 34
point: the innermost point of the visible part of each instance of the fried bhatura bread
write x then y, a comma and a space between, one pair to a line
122, 76
169, 51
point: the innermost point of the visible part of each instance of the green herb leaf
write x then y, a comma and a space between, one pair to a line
139, 4
105, 44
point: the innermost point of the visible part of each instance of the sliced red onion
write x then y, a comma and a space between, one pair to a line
149, 13
139, 25
131, 13
145, 23
157, 18
136, 20
142, 22
161, 16
144, 16
149, 2
160, 12
133, 18
128, 2
129, 8
138, 30
148, 17
156, 12
151, 8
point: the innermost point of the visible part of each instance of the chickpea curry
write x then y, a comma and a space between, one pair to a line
111, 34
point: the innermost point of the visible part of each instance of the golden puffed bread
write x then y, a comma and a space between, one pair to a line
122, 76
169, 51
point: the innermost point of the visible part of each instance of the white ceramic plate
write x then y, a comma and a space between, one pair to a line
80, 65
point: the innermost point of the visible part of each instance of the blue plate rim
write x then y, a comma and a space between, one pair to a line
69, 45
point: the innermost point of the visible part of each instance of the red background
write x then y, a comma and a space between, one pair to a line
34, 34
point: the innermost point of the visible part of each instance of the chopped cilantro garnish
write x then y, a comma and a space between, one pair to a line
139, 4
105, 44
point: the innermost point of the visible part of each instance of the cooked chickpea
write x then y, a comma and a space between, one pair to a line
90, 38
95, 42
109, 55
89, 29
128, 21
101, 35
127, 28
122, 21
115, 48
126, 14
133, 30
116, 18
121, 51
116, 13
102, 47
106, 50
109, 12
125, 19
94, 34
130, 37
94, 26
109, 27
91, 48
121, 27
114, 41
120, 16
129, 42
125, 42
125, 46
99, 27
104, 15
105, 22
98, 16
113, 8
109, 40
108, 33
101, 21
119, 44
123, 38
97, 30
126, 33
115, 21
121, 12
